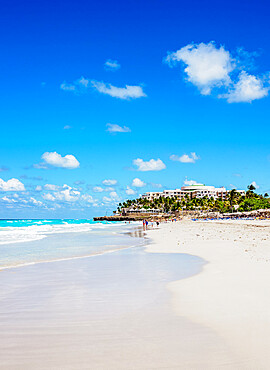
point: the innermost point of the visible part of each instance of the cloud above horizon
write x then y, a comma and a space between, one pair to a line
56, 160
11, 185
137, 183
211, 68
152, 165
191, 182
246, 89
126, 93
83, 84
206, 65
113, 128
185, 158
130, 191
109, 182
111, 65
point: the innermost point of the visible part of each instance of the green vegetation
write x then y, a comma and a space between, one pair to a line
233, 202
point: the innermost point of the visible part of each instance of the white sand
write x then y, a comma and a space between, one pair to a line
232, 294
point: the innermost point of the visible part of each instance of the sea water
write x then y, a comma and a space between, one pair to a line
25, 242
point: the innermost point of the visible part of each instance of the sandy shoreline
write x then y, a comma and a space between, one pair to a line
231, 295
130, 310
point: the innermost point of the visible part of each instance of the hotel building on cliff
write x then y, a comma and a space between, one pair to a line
194, 191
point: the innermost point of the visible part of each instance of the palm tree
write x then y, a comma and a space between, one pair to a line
232, 196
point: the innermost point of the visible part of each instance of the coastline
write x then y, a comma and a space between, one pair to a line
110, 312
230, 295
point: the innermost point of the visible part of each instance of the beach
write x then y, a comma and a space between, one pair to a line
185, 295
230, 295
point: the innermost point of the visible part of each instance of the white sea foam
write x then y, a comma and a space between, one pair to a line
36, 232
40, 230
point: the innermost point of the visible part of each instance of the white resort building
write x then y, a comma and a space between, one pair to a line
194, 191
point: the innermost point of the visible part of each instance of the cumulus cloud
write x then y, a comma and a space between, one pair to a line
137, 183
126, 93
48, 196
112, 128
109, 182
35, 202
98, 189
66, 194
111, 65
56, 160
11, 185
88, 198
130, 191
152, 165
207, 65
191, 182
247, 89
185, 158
114, 197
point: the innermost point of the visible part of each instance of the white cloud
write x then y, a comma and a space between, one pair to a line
152, 165
82, 82
137, 183
109, 182
207, 66
116, 128
9, 200
98, 189
247, 89
56, 160
191, 182
66, 194
87, 198
38, 188
11, 185
67, 127
185, 158
78, 86
35, 202
48, 197
255, 184
67, 87
127, 92
130, 191
51, 187
111, 65
114, 195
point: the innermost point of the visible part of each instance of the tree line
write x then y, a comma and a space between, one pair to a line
234, 201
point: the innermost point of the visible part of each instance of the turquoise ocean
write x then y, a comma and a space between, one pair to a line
25, 242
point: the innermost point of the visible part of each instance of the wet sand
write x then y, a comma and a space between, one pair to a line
111, 311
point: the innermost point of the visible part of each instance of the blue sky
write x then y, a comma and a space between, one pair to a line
160, 92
